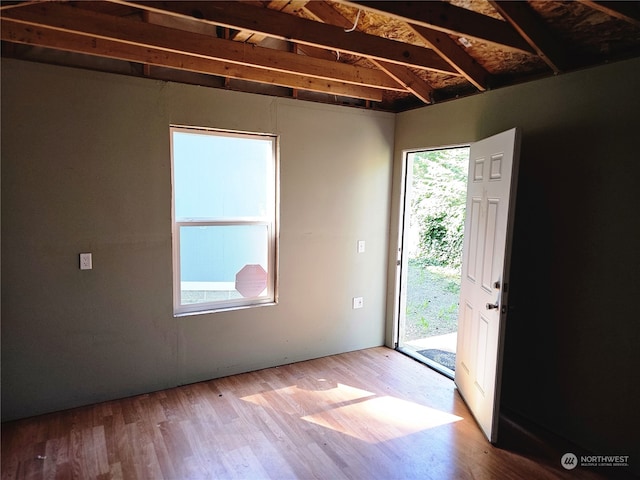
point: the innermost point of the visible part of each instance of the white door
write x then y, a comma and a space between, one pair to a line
485, 268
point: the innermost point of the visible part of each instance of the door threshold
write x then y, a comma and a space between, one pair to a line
441, 369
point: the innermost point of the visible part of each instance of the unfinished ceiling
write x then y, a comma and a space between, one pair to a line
383, 55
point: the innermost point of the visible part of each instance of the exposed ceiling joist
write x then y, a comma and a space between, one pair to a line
124, 30
279, 5
71, 42
628, 11
386, 55
290, 6
284, 26
324, 12
524, 21
439, 42
7, 4
451, 52
408, 79
448, 18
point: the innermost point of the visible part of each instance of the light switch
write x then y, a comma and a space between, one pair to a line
360, 246
86, 263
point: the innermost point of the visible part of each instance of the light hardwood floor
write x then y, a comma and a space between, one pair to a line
370, 414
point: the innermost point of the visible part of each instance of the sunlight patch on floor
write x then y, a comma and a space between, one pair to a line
309, 397
355, 412
388, 417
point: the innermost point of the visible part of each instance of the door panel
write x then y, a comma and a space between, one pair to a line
487, 245
488, 258
464, 337
472, 256
481, 354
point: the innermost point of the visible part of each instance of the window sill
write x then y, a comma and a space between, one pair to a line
224, 309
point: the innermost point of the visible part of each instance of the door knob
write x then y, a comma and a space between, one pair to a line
491, 306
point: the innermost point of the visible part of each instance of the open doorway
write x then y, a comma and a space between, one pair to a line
431, 255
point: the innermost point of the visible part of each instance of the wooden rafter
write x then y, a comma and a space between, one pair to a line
439, 42
455, 55
448, 18
524, 21
404, 76
5, 5
131, 32
324, 12
396, 50
279, 5
41, 36
308, 32
288, 6
626, 10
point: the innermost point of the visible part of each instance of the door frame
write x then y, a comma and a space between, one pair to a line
398, 261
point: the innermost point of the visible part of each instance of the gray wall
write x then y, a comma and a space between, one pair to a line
86, 168
573, 332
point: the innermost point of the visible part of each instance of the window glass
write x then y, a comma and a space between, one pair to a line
212, 256
218, 176
224, 219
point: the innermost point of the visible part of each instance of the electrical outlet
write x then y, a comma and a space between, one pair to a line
360, 246
86, 262
358, 302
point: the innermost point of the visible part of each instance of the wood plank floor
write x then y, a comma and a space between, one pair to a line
371, 414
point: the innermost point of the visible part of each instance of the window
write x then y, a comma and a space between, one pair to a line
225, 187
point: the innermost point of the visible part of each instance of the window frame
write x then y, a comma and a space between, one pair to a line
270, 219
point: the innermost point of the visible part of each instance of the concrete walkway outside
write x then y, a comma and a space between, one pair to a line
446, 343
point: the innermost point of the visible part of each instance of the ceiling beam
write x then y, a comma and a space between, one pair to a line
454, 54
279, 5
132, 32
18, 32
626, 11
324, 12
289, 6
407, 78
284, 26
448, 18
14, 3
522, 18
439, 42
